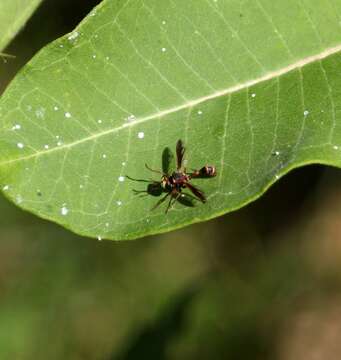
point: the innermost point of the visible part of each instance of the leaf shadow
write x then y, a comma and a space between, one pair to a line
152, 341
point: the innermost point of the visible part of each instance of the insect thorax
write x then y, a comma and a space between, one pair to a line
165, 183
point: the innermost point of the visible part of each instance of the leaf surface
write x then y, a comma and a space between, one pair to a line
13, 16
252, 87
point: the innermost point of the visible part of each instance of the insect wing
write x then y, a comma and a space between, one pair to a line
168, 161
198, 193
180, 152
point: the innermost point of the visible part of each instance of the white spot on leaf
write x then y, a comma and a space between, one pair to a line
140, 135
73, 36
40, 113
18, 199
64, 210
131, 118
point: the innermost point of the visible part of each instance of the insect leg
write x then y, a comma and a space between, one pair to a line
160, 201
142, 180
140, 193
174, 197
156, 171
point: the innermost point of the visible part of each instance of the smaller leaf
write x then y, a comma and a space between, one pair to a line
13, 16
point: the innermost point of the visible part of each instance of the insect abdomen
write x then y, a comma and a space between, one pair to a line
208, 170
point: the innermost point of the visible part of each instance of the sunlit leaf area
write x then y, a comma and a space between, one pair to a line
242, 90
262, 282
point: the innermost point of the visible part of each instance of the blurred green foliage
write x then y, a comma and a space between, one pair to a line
167, 297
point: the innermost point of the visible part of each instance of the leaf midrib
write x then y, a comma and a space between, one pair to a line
238, 87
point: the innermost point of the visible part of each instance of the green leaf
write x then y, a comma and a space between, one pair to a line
251, 87
13, 16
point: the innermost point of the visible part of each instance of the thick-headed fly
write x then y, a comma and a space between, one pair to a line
173, 183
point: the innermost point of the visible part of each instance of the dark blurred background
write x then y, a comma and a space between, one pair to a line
261, 283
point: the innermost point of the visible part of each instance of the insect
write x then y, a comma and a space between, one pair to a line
6, 56
174, 183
